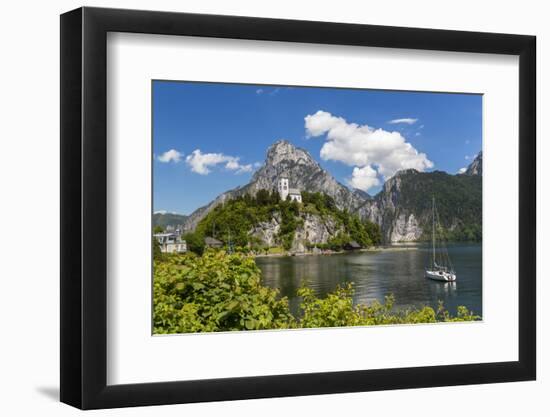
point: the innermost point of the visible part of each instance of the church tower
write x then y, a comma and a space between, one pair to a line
282, 188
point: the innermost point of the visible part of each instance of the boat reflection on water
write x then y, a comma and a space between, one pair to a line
448, 289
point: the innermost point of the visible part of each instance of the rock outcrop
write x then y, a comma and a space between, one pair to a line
476, 167
398, 222
314, 230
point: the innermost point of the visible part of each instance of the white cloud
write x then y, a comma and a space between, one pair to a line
259, 91
406, 120
202, 163
234, 165
364, 178
170, 156
462, 170
362, 147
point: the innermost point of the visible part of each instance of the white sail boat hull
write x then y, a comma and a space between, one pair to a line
440, 275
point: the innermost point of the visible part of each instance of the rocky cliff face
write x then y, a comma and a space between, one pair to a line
304, 173
267, 231
313, 230
475, 168
397, 222
403, 208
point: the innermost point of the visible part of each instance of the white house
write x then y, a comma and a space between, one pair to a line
171, 243
285, 191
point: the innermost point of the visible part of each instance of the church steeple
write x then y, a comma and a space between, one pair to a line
283, 187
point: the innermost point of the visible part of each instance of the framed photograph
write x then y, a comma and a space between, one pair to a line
257, 208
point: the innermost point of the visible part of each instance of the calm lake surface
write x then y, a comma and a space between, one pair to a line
380, 273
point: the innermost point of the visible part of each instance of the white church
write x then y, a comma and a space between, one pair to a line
285, 191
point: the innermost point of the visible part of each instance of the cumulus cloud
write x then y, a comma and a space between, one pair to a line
462, 170
362, 146
202, 163
234, 165
406, 120
170, 156
364, 178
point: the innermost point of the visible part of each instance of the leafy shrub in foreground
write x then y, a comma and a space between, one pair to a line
214, 292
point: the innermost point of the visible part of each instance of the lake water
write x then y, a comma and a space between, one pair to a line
380, 273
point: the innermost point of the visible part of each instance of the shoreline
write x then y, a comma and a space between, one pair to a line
330, 252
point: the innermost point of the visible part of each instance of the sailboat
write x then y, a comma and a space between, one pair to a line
440, 267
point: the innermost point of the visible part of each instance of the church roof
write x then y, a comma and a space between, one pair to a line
293, 191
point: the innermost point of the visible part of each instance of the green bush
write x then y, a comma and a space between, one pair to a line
221, 292
214, 292
337, 309
195, 242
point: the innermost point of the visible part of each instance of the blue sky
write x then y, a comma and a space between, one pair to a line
211, 137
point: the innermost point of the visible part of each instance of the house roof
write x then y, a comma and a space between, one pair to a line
211, 241
294, 191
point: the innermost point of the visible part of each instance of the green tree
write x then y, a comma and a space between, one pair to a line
195, 242
158, 229
157, 253
263, 198
374, 232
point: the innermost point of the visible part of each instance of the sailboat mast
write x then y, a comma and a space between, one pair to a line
433, 230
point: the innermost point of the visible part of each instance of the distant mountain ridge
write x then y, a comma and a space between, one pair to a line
402, 208
163, 219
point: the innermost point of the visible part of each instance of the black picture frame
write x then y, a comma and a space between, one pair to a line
84, 207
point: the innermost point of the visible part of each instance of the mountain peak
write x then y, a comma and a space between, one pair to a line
280, 143
476, 167
283, 150
304, 173
407, 171
283, 158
